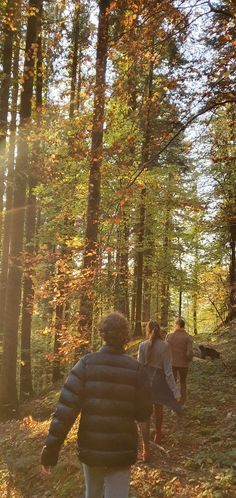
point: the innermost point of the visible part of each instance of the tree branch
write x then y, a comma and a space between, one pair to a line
222, 12
181, 129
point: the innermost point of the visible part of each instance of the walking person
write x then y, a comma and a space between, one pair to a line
111, 391
154, 354
181, 345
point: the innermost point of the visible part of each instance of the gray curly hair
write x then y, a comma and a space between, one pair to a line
114, 329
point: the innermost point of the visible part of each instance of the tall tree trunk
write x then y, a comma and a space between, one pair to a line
180, 302
26, 385
232, 298
121, 282
165, 303
91, 235
56, 369
8, 388
5, 91
9, 188
139, 288
195, 313
74, 63
165, 286
141, 234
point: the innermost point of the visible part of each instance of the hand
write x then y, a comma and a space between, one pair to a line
178, 398
46, 471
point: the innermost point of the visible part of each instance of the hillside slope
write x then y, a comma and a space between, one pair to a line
199, 459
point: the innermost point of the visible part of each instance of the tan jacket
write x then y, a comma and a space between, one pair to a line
181, 345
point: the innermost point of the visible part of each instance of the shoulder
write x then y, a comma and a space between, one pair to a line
188, 336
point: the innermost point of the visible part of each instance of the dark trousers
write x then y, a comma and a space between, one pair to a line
181, 373
145, 426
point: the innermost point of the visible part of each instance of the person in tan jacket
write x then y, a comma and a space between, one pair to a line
181, 345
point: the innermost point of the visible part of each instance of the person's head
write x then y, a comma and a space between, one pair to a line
153, 330
114, 329
179, 323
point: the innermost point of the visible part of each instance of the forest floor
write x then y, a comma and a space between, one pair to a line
199, 459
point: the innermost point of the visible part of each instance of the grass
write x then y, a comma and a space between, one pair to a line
201, 456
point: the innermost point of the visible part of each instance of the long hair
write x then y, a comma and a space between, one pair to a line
154, 332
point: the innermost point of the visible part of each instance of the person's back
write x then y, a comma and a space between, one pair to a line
111, 391
107, 431
181, 345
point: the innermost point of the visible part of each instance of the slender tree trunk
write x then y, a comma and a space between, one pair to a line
8, 389
133, 295
141, 234
79, 82
165, 287
121, 282
232, 299
5, 92
165, 303
157, 298
180, 302
139, 289
26, 385
9, 188
74, 64
90, 252
56, 369
195, 313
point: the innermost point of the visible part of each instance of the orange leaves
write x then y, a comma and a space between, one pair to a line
113, 6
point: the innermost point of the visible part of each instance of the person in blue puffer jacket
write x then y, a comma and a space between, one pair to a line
111, 391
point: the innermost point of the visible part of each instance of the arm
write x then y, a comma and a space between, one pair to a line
141, 354
189, 352
167, 367
67, 410
143, 401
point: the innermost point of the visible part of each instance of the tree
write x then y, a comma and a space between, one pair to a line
91, 234
8, 390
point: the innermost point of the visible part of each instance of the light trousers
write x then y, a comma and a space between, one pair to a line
106, 482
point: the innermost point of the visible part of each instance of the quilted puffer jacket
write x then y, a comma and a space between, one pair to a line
111, 390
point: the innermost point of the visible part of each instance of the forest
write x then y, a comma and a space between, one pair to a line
117, 190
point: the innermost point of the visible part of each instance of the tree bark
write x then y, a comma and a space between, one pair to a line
8, 388
195, 313
56, 369
9, 189
139, 288
5, 92
26, 384
74, 64
180, 302
122, 272
232, 297
141, 234
90, 252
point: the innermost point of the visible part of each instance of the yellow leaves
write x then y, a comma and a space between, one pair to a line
29, 421
129, 20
